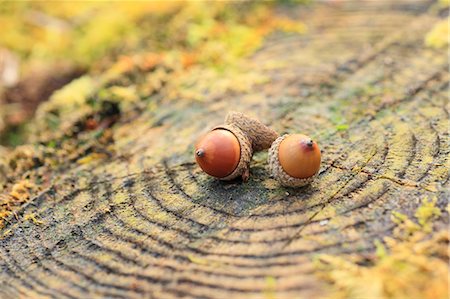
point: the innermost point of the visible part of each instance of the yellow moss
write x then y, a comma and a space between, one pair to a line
444, 3
407, 225
33, 218
6, 233
427, 212
19, 194
411, 265
269, 291
74, 94
202, 261
438, 37
127, 94
91, 158
380, 249
20, 190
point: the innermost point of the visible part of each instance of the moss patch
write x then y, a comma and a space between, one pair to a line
410, 264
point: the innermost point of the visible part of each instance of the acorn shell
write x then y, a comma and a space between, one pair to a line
260, 135
277, 170
243, 167
218, 153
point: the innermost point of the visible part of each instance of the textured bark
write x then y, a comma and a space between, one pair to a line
146, 222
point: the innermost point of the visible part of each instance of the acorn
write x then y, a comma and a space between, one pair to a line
259, 134
294, 160
224, 153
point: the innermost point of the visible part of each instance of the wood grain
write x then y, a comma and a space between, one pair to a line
146, 223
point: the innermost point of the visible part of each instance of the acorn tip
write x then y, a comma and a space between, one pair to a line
200, 153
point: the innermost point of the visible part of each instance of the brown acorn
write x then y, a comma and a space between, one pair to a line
294, 160
224, 153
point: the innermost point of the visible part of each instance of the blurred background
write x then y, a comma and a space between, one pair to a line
45, 45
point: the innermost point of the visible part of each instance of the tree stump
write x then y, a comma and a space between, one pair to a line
130, 215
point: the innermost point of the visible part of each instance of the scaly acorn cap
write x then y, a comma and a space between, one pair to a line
243, 167
260, 136
277, 170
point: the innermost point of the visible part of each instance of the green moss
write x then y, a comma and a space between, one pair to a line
14, 136
342, 127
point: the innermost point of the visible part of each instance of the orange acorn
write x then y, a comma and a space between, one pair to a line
226, 151
294, 160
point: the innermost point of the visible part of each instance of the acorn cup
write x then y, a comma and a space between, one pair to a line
260, 135
226, 151
294, 160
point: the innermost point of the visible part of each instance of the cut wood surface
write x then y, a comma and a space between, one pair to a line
130, 214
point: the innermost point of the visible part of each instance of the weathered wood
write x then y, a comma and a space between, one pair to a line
145, 222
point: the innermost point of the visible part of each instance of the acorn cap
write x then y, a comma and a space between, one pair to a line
243, 167
277, 170
260, 135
